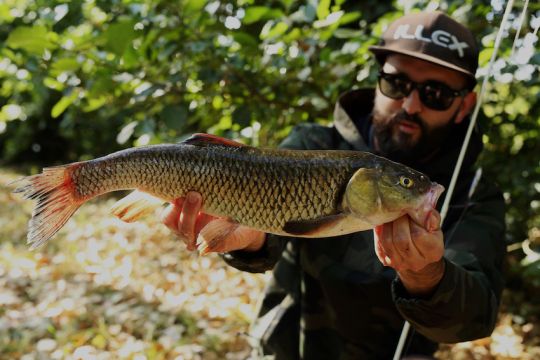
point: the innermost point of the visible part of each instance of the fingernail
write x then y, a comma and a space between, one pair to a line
387, 261
192, 198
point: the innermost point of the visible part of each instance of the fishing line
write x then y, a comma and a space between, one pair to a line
521, 20
459, 163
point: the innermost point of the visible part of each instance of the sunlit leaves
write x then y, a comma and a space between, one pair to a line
192, 6
34, 39
258, 13
323, 9
119, 36
63, 103
65, 64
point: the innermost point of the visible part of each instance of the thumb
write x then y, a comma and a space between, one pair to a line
433, 221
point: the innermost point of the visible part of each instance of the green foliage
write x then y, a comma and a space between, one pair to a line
81, 79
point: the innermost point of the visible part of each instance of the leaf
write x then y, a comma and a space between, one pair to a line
99, 341
119, 36
278, 29
258, 13
53, 84
65, 64
323, 9
131, 58
347, 34
245, 39
194, 5
63, 104
126, 132
95, 103
349, 17
485, 56
33, 39
5, 14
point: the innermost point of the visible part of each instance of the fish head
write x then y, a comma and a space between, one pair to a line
383, 193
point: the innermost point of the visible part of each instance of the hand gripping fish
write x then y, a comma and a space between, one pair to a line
301, 193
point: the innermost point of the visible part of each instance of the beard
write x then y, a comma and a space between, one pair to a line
403, 147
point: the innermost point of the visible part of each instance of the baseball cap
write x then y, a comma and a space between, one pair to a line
432, 36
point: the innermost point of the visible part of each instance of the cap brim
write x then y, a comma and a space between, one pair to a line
381, 51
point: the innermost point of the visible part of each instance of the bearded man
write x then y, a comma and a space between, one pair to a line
347, 297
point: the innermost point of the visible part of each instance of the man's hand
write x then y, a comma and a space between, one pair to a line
205, 232
415, 252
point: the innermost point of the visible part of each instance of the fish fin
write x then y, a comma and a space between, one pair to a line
213, 234
200, 139
314, 226
135, 206
54, 191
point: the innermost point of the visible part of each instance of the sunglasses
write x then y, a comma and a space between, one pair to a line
433, 94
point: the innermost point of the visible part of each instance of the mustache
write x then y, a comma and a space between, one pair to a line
403, 115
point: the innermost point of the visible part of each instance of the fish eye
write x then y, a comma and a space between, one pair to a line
406, 182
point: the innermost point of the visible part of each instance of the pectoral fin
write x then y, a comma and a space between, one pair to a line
135, 206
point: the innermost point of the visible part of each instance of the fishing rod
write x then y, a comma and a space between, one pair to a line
459, 163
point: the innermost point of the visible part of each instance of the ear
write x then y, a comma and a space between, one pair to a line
466, 106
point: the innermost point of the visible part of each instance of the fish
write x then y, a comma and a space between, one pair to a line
302, 193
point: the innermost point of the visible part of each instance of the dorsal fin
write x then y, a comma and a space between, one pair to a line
200, 139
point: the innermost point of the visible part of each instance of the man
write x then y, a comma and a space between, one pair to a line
347, 297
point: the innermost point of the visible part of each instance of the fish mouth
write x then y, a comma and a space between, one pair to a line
427, 204
433, 194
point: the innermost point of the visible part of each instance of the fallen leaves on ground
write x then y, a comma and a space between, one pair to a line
104, 289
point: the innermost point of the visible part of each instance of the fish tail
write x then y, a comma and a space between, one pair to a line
54, 191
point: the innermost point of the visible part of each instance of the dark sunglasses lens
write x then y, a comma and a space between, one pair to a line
392, 86
436, 96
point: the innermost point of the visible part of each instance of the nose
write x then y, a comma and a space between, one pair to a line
412, 103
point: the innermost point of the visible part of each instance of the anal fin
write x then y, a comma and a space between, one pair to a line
135, 206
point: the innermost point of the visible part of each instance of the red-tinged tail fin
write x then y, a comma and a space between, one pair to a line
54, 191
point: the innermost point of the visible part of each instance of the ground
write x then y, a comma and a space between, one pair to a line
104, 289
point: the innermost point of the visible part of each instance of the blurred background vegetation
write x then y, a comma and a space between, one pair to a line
80, 79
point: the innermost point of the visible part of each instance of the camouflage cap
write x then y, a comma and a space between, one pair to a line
431, 36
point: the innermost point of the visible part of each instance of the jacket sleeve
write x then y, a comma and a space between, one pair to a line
303, 137
257, 261
465, 304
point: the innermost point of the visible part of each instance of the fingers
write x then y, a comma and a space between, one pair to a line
188, 218
433, 221
379, 251
184, 218
395, 246
171, 214
430, 244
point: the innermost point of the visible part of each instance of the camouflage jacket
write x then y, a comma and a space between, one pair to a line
332, 299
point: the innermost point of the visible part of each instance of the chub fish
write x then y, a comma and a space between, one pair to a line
311, 193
